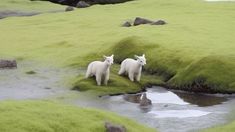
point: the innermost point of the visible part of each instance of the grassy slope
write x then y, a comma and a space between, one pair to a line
43, 116
196, 45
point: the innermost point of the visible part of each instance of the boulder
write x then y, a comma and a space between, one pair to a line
82, 4
69, 8
159, 22
144, 101
134, 98
126, 24
114, 128
139, 21
8, 64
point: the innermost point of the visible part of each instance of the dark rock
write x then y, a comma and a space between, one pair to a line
134, 98
82, 4
114, 128
69, 8
91, 2
106, 1
126, 24
47, 88
30, 72
144, 101
139, 21
8, 64
159, 22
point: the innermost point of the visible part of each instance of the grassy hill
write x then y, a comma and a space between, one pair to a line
194, 51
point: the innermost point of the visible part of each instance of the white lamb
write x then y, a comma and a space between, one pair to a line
133, 67
100, 70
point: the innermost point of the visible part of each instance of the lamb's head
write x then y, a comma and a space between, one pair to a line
141, 59
109, 59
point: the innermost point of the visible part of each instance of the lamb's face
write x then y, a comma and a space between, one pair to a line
109, 59
141, 59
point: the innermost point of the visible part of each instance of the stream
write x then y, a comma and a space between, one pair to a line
171, 111
176, 111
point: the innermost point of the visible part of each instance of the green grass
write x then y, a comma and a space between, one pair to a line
44, 116
223, 128
196, 46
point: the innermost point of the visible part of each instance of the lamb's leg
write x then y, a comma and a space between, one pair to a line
138, 77
106, 78
88, 72
131, 76
98, 79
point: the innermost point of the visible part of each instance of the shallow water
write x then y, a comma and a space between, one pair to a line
170, 112
46, 82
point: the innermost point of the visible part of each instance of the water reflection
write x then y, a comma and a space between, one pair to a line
178, 113
201, 100
160, 95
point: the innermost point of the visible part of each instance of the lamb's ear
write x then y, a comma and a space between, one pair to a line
104, 56
112, 55
136, 56
143, 55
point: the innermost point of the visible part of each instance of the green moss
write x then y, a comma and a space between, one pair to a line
214, 71
38, 116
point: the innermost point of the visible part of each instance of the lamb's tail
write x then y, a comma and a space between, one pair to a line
88, 72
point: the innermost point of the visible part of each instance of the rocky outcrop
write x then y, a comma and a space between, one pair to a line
139, 21
134, 98
110, 127
8, 64
69, 8
159, 22
90, 2
126, 24
144, 101
82, 4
